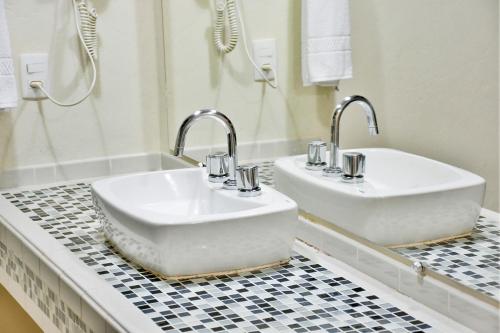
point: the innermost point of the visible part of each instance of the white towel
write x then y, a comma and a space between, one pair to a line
8, 88
326, 42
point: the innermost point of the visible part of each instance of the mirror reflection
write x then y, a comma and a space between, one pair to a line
417, 191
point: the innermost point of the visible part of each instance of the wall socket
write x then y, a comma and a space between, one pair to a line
34, 67
264, 54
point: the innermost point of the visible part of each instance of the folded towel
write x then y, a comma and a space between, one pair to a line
8, 88
326, 42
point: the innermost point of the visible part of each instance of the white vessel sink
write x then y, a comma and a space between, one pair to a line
178, 224
404, 199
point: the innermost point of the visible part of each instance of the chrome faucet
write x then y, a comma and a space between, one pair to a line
335, 169
230, 183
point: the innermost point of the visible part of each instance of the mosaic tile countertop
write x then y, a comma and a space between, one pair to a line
474, 261
301, 296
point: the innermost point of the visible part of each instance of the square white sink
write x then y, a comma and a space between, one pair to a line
178, 224
404, 199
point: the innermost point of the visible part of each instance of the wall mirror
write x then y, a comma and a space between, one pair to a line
395, 59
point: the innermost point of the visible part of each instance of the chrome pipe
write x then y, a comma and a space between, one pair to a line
221, 118
335, 167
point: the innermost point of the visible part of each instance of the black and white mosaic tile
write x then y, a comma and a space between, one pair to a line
301, 296
473, 260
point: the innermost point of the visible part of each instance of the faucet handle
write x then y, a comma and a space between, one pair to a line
316, 155
218, 167
247, 180
354, 167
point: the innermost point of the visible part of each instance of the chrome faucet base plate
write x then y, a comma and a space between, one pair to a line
230, 184
315, 167
217, 178
332, 172
353, 180
250, 193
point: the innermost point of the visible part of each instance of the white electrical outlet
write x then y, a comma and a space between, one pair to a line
34, 67
264, 55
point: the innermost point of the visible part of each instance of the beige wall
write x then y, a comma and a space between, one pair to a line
431, 69
14, 318
122, 115
197, 77
429, 66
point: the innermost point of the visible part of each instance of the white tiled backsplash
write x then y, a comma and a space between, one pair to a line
50, 173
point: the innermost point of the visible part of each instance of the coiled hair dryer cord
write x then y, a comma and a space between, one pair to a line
85, 22
228, 7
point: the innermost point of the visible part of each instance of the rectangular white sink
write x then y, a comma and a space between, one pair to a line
404, 199
178, 224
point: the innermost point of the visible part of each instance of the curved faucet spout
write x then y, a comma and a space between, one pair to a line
335, 167
231, 139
